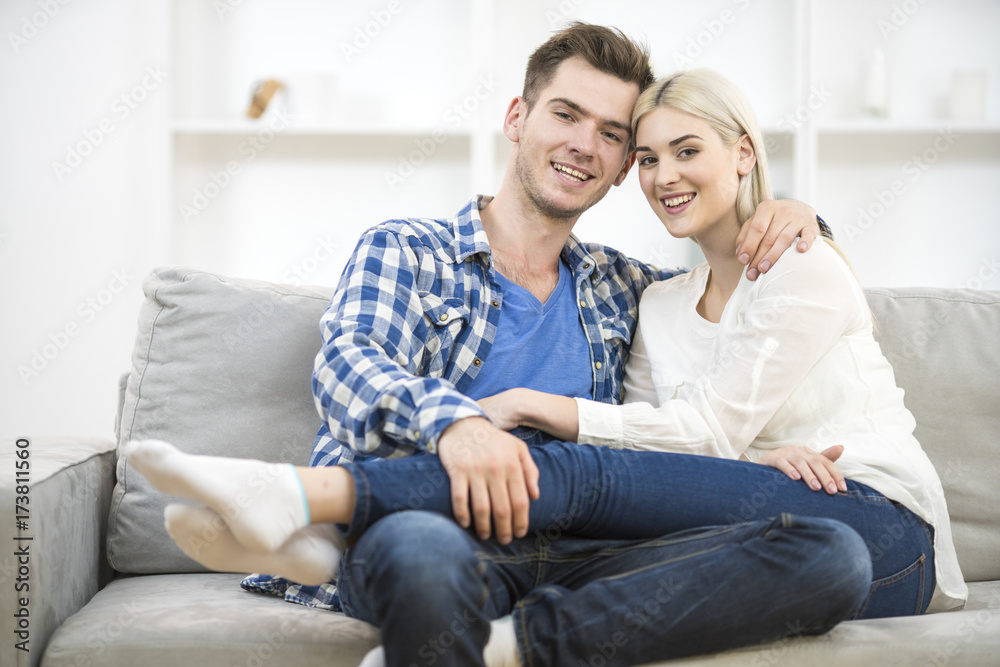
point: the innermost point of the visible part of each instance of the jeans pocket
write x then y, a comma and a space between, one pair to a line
903, 593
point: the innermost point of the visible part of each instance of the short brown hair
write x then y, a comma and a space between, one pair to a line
605, 49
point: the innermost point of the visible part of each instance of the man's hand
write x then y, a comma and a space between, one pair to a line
817, 469
771, 230
492, 472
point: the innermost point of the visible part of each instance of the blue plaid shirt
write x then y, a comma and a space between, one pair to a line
411, 325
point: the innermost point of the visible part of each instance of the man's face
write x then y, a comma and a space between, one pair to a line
573, 145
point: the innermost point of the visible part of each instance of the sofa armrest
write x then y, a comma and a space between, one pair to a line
53, 568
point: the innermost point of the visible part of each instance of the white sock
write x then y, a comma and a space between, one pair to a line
263, 503
310, 556
374, 658
501, 649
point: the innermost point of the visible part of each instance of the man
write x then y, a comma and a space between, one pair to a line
431, 315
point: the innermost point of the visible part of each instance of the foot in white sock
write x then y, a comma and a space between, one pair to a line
501, 649
263, 503
374, 658
310, 556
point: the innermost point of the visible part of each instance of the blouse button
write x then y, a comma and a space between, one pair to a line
496, 304
443, 317
586, 265
477, 362
597, 365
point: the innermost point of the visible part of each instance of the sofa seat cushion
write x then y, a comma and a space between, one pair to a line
207, 620
203, 620
970, 637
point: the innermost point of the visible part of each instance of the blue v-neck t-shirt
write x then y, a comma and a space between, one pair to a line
538, 345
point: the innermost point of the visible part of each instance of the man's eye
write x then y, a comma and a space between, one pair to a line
564, 115
612, 136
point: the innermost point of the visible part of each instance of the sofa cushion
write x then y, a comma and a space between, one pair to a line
221, 366
943, 348
203, 620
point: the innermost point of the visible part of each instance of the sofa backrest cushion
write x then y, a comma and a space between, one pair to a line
220, 366
944, 347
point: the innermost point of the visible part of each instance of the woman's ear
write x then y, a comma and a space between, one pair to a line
746, 156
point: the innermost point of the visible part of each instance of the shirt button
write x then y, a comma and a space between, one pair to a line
496, 304
416, 435
477, 362
597, 365
443, 317
583, 304
586, 265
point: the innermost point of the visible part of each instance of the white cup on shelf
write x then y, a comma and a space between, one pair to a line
968, 95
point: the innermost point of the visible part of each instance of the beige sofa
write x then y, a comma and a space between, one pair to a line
223, 365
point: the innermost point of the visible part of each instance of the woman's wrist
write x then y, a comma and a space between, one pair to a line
556, 415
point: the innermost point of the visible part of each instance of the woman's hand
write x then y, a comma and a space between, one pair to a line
817, 469
504, 409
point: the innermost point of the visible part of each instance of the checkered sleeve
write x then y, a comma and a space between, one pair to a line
368, 379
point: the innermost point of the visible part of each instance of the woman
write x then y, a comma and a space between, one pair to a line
767, 371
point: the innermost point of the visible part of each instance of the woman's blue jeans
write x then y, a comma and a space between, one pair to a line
630, 557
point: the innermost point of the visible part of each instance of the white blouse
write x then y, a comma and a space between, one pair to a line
792, 362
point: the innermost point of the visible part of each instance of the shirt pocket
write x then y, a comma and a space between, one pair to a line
445, 318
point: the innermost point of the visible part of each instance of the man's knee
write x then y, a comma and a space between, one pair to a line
415, 533
424, 559
418, 549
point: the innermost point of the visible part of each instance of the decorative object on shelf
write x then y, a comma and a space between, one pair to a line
875, 96
968, 95
262, 95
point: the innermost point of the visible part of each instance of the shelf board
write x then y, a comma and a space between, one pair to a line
905, 127
248, 127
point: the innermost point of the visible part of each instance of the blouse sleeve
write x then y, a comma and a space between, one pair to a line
789, 319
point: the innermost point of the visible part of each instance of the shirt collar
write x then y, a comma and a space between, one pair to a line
470, 239
470, 236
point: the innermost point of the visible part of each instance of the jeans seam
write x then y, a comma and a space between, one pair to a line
915, 566
867, 497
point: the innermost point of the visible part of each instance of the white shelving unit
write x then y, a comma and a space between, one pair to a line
414, 129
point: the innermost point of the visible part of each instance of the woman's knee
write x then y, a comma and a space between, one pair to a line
838, 562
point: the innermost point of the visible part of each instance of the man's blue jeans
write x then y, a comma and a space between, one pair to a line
739, 553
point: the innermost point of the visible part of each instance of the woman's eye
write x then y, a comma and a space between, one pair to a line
687, 152
647, 161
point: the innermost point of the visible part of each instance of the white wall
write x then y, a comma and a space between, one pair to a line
75, 244
64, 237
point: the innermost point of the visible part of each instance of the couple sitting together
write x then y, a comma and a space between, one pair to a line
516, 446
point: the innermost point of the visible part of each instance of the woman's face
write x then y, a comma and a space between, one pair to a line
689, 176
